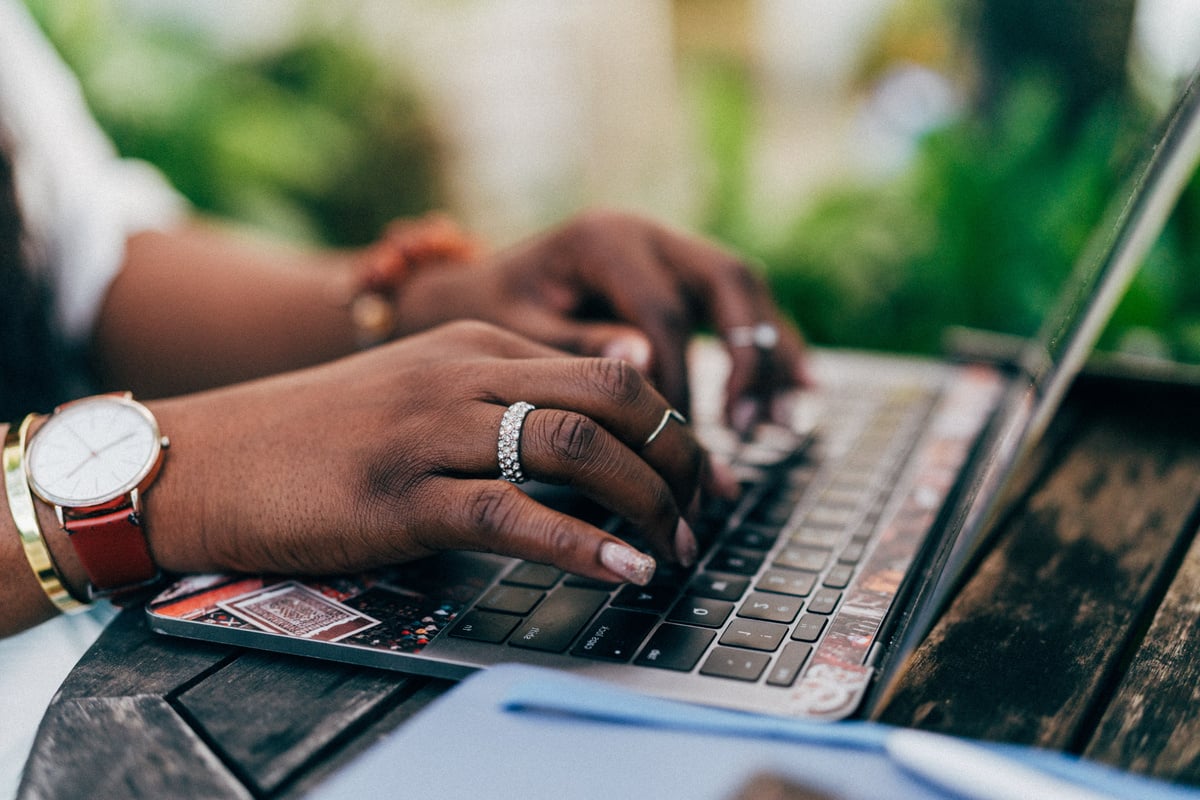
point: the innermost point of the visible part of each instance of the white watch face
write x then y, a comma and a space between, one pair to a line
92, 451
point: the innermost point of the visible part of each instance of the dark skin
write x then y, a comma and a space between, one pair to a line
390, 455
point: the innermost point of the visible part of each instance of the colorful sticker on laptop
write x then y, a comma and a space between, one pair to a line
292, 609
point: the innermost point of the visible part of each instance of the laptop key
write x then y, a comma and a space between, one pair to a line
741, 665
824, 601
752, 537
518, 600
810, 559
676, 647
839, 576
615, 635
528, 573
754, 635
770, 607
852, 554
719, 587
787, 581
809, 628
559, 618
787, 666
741, 562
808, 536
701, 611
485, 626
654, 599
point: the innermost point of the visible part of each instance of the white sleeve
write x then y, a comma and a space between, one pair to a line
79, 199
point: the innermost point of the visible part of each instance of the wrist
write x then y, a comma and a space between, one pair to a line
91, 463
386, 267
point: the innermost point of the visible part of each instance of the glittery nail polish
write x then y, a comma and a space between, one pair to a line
633, 566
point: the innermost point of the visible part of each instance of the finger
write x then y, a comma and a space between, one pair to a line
616, 396
641, 291
497, 517
452, 339
765, 371
567, 448
600, 339
735, 296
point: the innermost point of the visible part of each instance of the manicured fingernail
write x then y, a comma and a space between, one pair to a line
633, 349
630, 564
743, 414
724, 481
802, 374
685, 544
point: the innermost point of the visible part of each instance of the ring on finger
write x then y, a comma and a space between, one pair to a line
668, 415
763, 335
508, 443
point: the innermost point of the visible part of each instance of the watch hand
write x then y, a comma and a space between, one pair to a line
82, 441
114, 443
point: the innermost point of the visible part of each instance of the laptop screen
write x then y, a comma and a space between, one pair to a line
1054, 357
1114, 253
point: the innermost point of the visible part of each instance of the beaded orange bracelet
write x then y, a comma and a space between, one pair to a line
384, 266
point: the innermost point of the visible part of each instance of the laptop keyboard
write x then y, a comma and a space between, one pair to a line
772, 569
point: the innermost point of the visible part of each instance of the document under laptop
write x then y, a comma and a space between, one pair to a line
856, 523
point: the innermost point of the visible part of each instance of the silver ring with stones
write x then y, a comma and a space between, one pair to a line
764, 336
508, 445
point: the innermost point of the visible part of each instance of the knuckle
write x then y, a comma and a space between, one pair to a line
571, 436
557, 541
616, 379
743, 277
493, 508
599, 219
471, 330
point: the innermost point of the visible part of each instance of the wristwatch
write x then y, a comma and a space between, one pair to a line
93, 460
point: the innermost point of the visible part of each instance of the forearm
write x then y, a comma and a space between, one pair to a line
200, 306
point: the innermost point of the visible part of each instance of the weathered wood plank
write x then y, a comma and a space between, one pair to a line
322, 769
133, 746
268, 715
1153, 724
129, 659
1027, 647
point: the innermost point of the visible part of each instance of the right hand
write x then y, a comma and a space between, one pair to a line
390, 455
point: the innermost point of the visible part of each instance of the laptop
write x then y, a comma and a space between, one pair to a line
857, 522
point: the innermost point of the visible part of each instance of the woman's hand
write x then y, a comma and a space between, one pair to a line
391, 455
615, 285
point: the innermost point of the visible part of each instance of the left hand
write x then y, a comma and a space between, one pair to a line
615, 285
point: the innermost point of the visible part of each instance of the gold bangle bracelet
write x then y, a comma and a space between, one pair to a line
20, 503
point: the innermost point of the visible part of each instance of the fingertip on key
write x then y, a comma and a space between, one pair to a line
632, 565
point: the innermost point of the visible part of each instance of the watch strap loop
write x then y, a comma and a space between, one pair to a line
112, 549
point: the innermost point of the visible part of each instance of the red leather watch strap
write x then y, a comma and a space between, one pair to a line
112, 549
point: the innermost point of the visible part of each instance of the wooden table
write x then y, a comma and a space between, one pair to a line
1079, 631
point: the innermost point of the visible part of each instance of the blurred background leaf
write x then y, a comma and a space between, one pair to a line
975, 225
309, 139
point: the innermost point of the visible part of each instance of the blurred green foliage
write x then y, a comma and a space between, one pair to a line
979, 230
315, 141
311, 140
